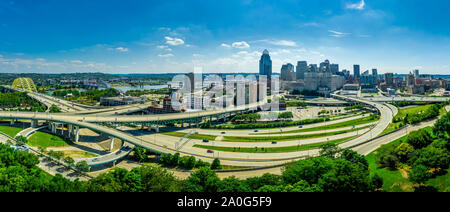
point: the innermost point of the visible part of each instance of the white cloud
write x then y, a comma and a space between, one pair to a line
165, 55
338, 34
121, 49
357, 6
281, 42
197, 55
225, 45
174, 41
76, 61
240, 45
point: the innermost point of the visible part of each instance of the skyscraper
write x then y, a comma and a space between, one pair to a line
389, 78
375, 72
288, 73
325, 66
356, 71
302, 67
265, 64
416, 73
334, 68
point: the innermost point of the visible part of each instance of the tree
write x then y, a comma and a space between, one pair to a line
189, 162
419, 174
419, 139
329, 150
432, 157
377, 182
203, 180
82, 166
69, 161
232, 184
354, 157
309, 170
215, 165
403, 151
156, 179
140, 154
442, 126
21, 140
346, 177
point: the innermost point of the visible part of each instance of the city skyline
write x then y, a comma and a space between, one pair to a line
226, 37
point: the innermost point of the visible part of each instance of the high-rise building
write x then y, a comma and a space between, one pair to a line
265, 64
375, 72
325, 66
288, 73
356, 71
302, 67
410, 81
389, 78
416, 73
334, 68
313, 68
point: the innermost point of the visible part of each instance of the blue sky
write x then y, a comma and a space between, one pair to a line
173, 36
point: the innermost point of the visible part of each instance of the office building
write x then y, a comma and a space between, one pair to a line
288, 73
265, 65
302, 67
356, 71
334, 68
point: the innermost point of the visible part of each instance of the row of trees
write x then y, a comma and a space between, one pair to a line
248, 118
335, 170
88, 94
265, 125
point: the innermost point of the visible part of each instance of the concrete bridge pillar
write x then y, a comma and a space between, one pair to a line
69, 129
11, 122
77, 134
111, 144
62, 129
34, 123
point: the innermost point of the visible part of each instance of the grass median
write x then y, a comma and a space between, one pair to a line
192, 136
274, 149
44, 140
360, 121
287, 138
10, 131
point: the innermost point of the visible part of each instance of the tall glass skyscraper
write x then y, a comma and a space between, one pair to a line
356, 71
265, 64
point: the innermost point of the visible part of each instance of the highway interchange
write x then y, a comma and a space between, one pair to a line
90, 118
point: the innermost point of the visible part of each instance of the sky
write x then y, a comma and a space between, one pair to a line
174, 36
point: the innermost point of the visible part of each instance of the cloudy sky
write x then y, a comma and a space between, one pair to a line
173, 36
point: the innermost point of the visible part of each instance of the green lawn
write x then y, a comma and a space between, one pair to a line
193, 136
11, 131
44, 140
401, 115
360, 121
286, 138
412, 110
393, 180
274, 149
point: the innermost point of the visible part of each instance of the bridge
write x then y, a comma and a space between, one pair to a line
70, 123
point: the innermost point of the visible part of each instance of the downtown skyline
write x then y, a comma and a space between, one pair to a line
222, 37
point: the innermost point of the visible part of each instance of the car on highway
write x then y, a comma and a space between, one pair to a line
274, 142
256, 131
205, 141
210, 151
300, 127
